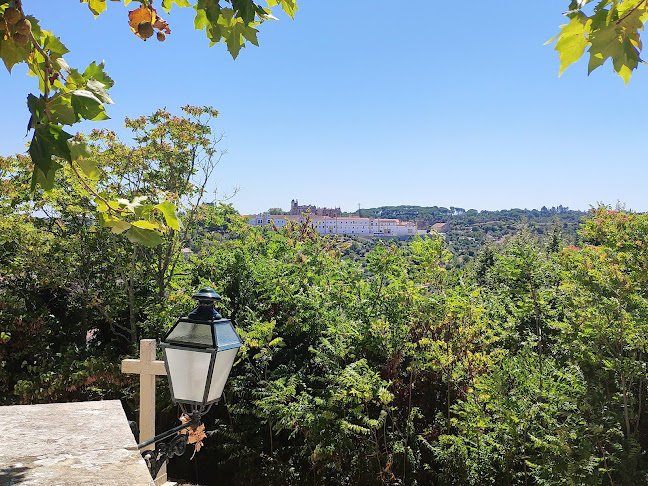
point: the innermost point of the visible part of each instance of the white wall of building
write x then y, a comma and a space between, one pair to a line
341, 226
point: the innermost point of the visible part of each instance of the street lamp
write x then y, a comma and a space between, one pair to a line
199, 352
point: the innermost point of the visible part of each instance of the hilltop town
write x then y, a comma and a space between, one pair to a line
329, 221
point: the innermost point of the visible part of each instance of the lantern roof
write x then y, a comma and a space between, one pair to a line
218, 334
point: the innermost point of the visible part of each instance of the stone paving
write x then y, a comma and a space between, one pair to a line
75, 444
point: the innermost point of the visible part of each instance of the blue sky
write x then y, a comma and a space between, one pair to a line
377, 103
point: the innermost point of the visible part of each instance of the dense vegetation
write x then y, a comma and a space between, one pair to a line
527, 366
468, 231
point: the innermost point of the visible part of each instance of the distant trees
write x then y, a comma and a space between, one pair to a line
470, 230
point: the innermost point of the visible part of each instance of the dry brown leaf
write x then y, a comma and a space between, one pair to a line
141, 14
162, 25
195, 436
149, 15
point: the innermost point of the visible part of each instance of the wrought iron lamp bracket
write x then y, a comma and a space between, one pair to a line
166, 450
163, 452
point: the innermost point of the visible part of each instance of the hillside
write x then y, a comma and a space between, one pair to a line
469, 230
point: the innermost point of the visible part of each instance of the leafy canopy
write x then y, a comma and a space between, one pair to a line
609, 29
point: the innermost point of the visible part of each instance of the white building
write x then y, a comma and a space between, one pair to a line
340, 226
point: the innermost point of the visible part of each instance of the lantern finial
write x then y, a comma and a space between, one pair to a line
205, 310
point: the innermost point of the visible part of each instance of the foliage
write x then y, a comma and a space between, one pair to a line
469, 231
608, 30
65, 325
525, 367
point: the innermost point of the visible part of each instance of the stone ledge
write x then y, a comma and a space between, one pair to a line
60, 444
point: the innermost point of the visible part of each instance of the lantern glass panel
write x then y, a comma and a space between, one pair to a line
188, 372
190, 333
222, 367
225, 334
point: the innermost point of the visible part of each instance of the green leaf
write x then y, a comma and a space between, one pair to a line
78, 149
97, 88
149, 225
166, 4
143, 210
144, 236
611, 42
62, 64
87, 105
208, 13
12, 54
54, 45
96, 6
102, 207
44, 179
288, 6
250, 33
572, 41
61, 111
170, 215
234, 39
245, 10
116, 225
36, 107
89, 168
48, 140
96, 72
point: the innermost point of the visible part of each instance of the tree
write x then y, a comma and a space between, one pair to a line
171, 165
609, 311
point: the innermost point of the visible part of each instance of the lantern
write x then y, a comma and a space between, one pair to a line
199, 352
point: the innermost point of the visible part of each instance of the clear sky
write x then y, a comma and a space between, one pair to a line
377, 103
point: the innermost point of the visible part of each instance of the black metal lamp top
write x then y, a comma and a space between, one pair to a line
205, 310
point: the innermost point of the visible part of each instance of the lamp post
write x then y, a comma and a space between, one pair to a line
199, 352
